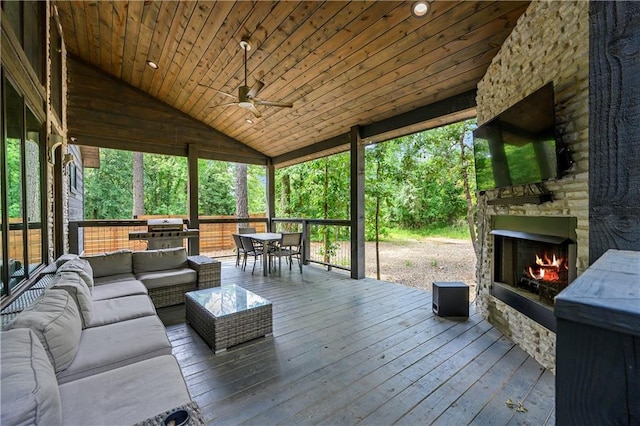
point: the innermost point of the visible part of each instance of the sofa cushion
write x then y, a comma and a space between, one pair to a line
121, 309
55, 320
168, 277
77, 288
28, 385
115, 345
159, 260
118, 289
111, 263
108, 279
65, 258
126, 395
80, 267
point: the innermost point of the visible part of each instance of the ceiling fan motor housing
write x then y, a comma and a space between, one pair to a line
243, 99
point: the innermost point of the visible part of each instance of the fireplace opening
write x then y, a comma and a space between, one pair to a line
535, 265
534, 259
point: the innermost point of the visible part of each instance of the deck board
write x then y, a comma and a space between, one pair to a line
349, 351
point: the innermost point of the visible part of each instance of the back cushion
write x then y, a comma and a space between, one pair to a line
65, 258
77, 288
159, 260
80, 267
112, 263
29, 389
55, 320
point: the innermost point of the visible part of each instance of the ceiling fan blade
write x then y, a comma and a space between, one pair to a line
255, 111
219, 91
270, 103
255, 89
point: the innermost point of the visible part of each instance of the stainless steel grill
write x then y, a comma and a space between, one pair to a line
164, 233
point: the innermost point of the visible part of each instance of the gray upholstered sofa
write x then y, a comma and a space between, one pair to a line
91, 350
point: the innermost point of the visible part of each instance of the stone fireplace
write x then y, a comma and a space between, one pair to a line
550, 43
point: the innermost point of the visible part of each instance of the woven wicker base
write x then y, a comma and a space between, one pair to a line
228, 330
208, 270
170, 295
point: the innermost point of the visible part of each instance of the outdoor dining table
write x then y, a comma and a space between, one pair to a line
266, 238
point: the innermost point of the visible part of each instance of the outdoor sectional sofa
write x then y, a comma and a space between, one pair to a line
90, 350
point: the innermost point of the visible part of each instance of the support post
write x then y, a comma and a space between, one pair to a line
271, 193
357, 204
194, 223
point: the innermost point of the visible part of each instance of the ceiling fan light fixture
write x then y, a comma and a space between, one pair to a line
245, 104
152, 64
249, 121
420, 9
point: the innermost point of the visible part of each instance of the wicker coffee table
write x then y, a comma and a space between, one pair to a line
228, 315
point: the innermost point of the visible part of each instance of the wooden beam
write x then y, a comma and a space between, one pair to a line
614, 108
357, 204
463, 102
311, 150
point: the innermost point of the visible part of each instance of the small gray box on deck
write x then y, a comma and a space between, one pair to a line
451, 299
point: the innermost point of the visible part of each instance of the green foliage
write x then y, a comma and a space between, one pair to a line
14, 178
414, 182
108, 192
215, 183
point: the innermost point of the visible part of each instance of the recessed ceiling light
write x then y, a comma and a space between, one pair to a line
152, 64
249, 121
420, 9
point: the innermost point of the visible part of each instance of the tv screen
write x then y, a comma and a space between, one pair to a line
518, 146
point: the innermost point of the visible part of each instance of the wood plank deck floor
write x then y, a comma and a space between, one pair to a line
349, 351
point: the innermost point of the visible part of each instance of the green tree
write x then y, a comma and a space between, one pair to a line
107, 190
165, 185
215, 187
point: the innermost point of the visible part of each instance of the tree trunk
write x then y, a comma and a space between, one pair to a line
242, 198
138, 184
467, 192
285, 200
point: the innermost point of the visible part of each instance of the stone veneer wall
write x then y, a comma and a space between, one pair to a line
550, 43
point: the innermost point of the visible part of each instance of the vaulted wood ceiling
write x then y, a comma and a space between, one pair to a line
340, 63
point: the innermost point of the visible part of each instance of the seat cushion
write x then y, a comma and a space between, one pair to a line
118, 289
111, 263
28, 385
79, 291
168, 277
159, 260
126, 395
80, 267
116, 345
55, 320
121, 309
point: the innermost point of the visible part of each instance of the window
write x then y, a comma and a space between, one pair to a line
22, 208
27, 22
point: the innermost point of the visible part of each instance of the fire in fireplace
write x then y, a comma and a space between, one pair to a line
547, 276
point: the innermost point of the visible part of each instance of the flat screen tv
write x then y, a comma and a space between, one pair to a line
519, 146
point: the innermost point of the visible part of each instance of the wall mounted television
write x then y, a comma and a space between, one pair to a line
519, 146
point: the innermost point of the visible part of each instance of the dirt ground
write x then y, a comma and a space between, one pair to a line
419, 263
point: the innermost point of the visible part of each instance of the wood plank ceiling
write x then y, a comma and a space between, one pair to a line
340, 63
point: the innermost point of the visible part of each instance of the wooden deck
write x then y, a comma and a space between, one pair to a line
349, 351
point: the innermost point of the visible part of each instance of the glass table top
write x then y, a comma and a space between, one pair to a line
228, 299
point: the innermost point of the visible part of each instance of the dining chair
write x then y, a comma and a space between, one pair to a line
250, 250
239, 248
246, 230
289, 247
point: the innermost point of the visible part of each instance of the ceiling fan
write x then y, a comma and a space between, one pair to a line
247, 96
